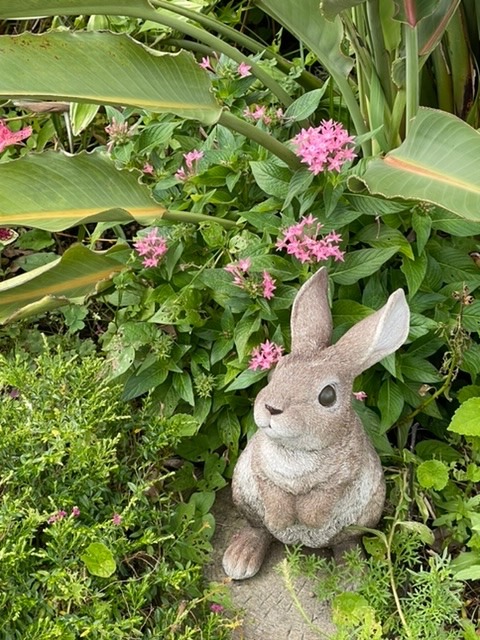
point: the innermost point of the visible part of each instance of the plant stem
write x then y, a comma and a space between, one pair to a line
380, 55
306, 79
412, 81
291, 590
188, 216
261, 137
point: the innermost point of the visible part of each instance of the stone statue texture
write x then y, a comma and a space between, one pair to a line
310, 471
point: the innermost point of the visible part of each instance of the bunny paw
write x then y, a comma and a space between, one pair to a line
246, 552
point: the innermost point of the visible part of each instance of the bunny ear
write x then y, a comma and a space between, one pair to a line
311, 321
377, 336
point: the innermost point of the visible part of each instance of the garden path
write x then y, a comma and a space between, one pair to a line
269, 610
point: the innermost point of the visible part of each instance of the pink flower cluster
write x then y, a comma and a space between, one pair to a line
265, 355
151, 247
261, 112
360, 395
242, 279
300, 240
8, 137
119, 133
191, 160
325, 147
5, 234
61, 514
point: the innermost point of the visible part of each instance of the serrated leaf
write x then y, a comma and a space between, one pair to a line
99, 560
433, 474
471, 360
360, 264
271, 178
466, 419
467, 392
305, 105
390, 403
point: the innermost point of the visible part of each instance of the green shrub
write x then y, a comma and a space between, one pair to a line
91, 544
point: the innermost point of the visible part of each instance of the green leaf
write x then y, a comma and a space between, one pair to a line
412, 11
39, 8
305, 105
182, 383
184, 425
433, 474
360, 264
228, 426
414, 272
322, 37
466, 419
424, 533
272, 178
422, 225
243, 330
300, 181
71, 66
53, 191
467, 392
471, 360
390, 403
418, 369
466, 566
142, 381
442, 220
331, 8
246, 379
349, 312
429, 449
81, 115
437, 163
471, 317
99, 560
78, 273
384, 237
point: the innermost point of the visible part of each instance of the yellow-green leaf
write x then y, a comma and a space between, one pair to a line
104, 68
54, 191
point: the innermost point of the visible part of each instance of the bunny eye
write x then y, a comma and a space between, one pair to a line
327, 396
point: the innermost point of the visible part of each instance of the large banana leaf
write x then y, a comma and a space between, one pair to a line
438, 163
17, 9
104, 68
321, 36
54, 191
80, 272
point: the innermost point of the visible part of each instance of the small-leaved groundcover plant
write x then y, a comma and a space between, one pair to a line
92, 544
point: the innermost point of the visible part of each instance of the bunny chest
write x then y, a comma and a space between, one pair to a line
301, 498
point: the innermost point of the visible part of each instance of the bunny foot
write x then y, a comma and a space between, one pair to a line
245, 553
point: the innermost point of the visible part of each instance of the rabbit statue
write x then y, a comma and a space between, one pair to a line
310, 471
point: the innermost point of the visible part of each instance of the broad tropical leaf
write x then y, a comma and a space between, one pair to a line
331, 8
54, 191
104, 68
437, 163
412, 11
78, 273
40, 8
321, 36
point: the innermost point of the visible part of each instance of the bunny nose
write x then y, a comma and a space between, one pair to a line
272, 410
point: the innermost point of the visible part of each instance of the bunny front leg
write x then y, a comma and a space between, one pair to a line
246, 552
